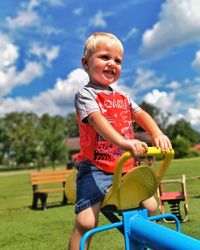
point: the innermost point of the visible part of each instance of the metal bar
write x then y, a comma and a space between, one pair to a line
112, 218
158, 237
97, 230
165, 216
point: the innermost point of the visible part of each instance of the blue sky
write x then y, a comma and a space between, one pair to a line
41, 44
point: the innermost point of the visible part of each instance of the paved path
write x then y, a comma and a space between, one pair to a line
18, 172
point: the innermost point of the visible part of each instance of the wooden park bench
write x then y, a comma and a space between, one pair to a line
45, 182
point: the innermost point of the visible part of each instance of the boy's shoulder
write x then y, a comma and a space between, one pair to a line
85, 90
93, 90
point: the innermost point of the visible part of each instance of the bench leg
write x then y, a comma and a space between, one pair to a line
64, 201
43, 199
35, 199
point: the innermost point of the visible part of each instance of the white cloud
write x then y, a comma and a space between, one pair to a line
162, 100
10, 55
179, 24
10, 76
8, 52
27, 18
77, 11
58, 100
64, 90
146, 79
43, 51
98, 20
174, 85
8, 105
130, 34
196, 62
31, 71
193, 116
175, 117
31, 4
167, 102
198, 100
56, 2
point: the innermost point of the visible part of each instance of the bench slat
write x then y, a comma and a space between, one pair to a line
46, 181
49, 190
49, 177
51, 173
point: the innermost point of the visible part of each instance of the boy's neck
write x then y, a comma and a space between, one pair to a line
101, 86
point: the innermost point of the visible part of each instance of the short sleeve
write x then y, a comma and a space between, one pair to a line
134, 106
85, 103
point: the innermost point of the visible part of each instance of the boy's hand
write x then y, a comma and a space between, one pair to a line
135, 146
163, 142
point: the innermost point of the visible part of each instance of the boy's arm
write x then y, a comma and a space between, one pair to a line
143, 119
105, 129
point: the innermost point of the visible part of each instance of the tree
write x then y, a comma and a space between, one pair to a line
21, 132
53, 137
72, 125
181, 146
184, 129
160, 117
4, 145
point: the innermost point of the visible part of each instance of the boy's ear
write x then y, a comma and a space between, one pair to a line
84, 63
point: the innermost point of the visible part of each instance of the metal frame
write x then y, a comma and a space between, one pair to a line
140, 232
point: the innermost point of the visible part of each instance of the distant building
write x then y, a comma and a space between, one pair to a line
73, 145
197, 147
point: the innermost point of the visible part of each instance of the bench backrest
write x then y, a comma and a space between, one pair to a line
45, 177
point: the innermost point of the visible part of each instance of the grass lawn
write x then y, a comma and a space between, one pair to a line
25, 229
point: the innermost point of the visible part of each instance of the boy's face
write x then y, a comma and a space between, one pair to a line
104, 66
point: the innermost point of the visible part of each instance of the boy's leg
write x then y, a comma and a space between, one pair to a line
151, 205
85, 220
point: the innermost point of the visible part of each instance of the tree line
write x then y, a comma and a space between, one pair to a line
181, 133
26, 138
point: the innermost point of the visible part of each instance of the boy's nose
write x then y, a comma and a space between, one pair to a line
110, 63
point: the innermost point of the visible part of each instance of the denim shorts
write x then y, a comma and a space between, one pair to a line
91, 185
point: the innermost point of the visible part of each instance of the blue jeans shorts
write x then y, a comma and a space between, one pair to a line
91, 185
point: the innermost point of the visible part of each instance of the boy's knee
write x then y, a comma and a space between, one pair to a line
152, 208
151, 205
86, 225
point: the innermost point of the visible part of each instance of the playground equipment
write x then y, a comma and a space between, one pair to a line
136, 185
175, 201
125, 195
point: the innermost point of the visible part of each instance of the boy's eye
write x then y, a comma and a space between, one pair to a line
104, 57
118, 61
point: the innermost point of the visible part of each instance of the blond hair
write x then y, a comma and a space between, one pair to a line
91, 44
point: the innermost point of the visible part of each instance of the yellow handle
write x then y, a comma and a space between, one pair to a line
152, 151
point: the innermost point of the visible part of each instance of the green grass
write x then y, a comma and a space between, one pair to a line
26, 229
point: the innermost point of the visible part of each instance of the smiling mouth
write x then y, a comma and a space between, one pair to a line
109, 74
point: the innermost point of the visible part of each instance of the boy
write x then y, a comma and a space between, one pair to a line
105, 123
